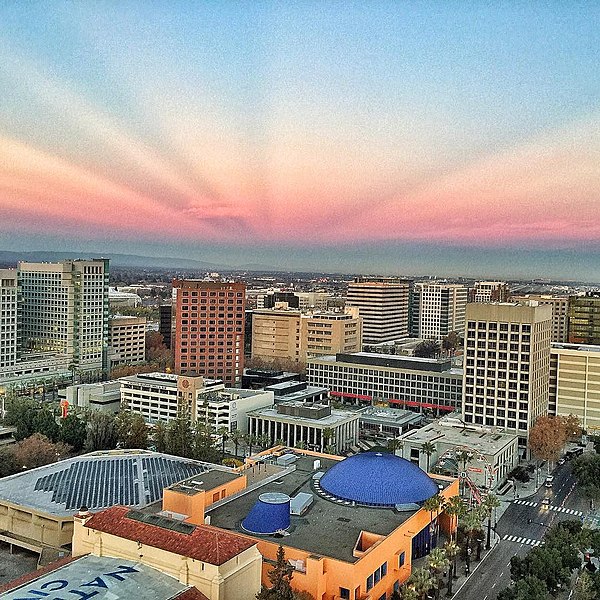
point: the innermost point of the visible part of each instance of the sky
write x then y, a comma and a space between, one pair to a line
442, 137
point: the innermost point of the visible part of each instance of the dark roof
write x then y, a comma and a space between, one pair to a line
205, 543
27, 577
378, 479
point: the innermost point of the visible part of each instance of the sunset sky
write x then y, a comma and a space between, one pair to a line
410, 137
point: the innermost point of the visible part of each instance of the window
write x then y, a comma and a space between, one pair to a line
344, 593
369, 582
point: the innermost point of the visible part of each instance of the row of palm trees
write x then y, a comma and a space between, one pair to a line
423, 580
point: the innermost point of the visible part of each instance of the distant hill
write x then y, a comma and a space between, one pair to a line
10, 259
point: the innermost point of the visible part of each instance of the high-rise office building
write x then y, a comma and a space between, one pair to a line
560, 312
9, 318
209, 329
291, 335
584, 319
489, 291
165, 323
383, 307
65, 310
438, 309
507, 365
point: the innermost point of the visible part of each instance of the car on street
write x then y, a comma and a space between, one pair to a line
561, 461
545, 503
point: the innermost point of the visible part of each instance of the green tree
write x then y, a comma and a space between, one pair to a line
530, 588
204, 443
328, 437
421, 581
159, 436
586, 469
452, 550
394, 444
584, 587
8, 464
428, 449
132, 430
451, 342
102, 432
223, 434
44, 422
434, 505
427, 349
20, 413
236, 437
280, 577
180, 437
488, 506
73, 431
455, 508
437, 562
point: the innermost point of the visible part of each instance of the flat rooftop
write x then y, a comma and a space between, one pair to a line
110, 578
98, 480
336, 417
390, 361
204, 481
486, 442
328, 528
387, 416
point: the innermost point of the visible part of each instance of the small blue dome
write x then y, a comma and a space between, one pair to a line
377, 479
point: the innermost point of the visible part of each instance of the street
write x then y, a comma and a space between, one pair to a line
521, 527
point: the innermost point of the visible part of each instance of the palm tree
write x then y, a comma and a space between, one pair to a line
471, 524
327, 435
250, 441
421, 581
224, 433
454, 508
395, 444
437, 563
433, 505
463, 457
452, 549
236, 438
489, 505
428, 449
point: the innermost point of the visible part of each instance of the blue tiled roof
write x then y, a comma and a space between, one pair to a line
378, 479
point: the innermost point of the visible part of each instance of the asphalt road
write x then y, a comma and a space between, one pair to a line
521, 527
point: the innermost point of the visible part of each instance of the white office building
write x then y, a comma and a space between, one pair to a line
438, 309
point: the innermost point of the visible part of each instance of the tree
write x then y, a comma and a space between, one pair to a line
455, 508
73, 431
204, 443
547, 438
8, 463
44, 422
280, 577
159, 437
584, 587
132, 431
489, 505
421, 581
572, 425
223, 433
437, 562
20, 413
328, 437
102, 432
427, 349
451, 342
428, 449
586, 469
530, 588
37, 451
236, 438
180, 437
452, 550
394, 444
433, 505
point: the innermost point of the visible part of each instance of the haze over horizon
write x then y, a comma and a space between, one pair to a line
434, 138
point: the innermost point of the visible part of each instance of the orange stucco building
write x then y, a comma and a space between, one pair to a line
350, 527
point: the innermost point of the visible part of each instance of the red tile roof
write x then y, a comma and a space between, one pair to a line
205, 543
190, 594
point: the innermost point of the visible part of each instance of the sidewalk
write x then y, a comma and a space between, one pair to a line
522, 490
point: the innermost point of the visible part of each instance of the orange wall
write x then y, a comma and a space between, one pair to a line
194, 505
324, 577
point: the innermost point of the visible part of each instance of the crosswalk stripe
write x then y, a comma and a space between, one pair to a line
521, 540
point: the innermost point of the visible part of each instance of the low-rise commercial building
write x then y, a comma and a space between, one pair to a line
105, 395
315, 426
164, 396
492, 454
401, 381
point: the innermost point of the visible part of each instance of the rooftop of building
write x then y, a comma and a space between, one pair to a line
393, 361
99, 480
389, 416
331, 526
200, 542
289, 391
205, 481
335, 417
110, 579
577, 347
164, 379
453, 432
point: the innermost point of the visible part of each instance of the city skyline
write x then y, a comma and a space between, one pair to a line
417, 138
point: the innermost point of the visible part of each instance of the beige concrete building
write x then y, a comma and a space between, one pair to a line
506, 366
281, 333
493, 454
127, 340
383, 306
560, 312
438, 309
575, 383
222, 565
489, 291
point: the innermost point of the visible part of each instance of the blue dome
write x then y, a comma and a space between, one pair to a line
377, 479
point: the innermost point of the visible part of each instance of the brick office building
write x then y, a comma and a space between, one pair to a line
209, 329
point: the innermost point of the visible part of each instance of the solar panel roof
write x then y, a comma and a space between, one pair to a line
100, 480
